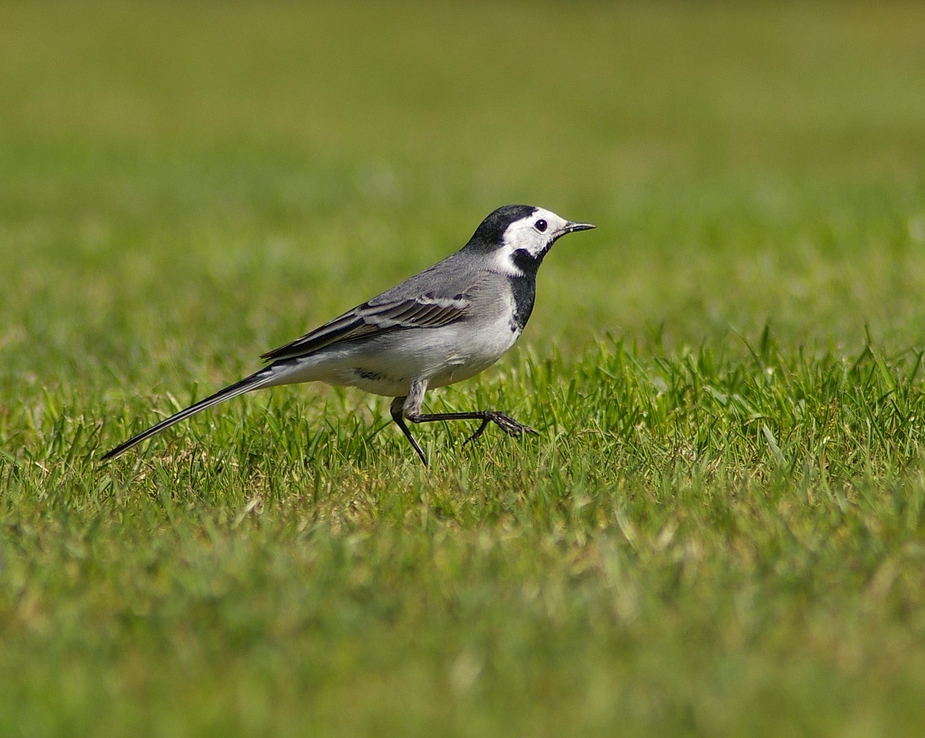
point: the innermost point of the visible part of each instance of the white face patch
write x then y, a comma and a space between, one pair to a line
533, 234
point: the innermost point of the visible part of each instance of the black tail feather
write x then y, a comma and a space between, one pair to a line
247, 384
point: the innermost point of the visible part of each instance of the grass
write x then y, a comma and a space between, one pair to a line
720, 529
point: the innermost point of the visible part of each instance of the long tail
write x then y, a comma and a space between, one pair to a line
254, 381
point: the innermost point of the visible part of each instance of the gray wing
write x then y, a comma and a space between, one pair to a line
435, 297
376, 317
369, 319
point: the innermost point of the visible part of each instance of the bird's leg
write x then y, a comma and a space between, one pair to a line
410, 407
504, 422
397, 409
415, 399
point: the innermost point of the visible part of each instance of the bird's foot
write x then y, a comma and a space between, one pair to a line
504, 422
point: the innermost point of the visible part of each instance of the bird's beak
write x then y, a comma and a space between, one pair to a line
572, 227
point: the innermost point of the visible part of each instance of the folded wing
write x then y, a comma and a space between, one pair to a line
376, 317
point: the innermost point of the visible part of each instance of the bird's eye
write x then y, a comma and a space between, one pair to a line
540, 225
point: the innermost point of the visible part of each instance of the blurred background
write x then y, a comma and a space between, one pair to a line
694, 545
194, 176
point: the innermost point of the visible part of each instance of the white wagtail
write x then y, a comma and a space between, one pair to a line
443, 325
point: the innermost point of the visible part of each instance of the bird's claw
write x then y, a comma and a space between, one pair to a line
505, 423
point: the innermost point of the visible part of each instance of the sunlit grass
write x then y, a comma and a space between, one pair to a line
719, 528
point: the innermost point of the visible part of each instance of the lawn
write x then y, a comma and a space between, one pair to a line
720, 529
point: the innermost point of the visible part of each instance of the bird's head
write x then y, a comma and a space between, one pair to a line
519, 236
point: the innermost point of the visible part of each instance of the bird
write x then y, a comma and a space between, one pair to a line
443, 325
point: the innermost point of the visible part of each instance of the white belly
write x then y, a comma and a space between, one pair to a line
388, 364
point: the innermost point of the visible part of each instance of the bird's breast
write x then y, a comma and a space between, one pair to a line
471, 351
523, 294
